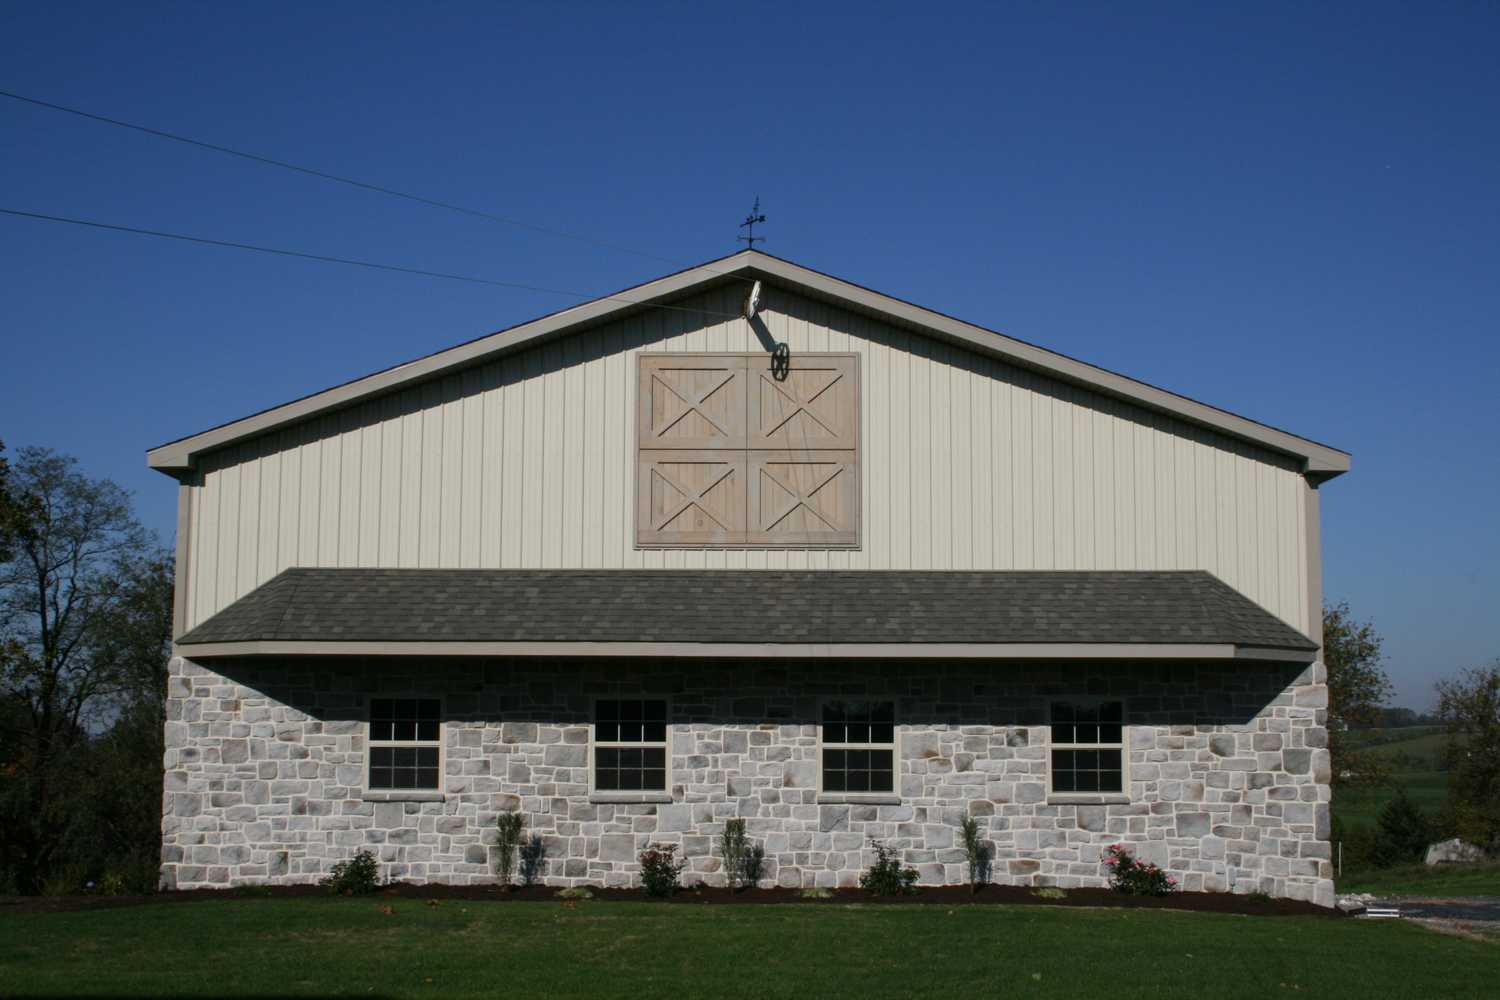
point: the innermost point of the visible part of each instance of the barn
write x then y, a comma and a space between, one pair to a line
748, 541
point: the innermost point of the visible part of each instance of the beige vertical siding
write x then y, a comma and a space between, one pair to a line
967, 464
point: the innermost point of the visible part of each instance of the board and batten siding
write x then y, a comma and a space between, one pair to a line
528, 461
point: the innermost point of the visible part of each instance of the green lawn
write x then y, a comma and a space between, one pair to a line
1419, 880
349, 947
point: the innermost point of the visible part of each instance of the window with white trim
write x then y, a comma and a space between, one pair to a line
405, 745
630, 745
1088, 747
859, 746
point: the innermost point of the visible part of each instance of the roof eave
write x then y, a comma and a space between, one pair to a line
1018, 651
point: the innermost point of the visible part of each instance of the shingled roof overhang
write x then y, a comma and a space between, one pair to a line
1318, 461
1152, 615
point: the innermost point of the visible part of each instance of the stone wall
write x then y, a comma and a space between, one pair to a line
1228, 773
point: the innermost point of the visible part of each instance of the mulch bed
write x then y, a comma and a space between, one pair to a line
943, 895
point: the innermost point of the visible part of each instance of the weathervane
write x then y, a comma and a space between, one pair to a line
749, 226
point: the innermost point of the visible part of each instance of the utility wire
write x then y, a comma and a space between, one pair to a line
327, 259
336, 178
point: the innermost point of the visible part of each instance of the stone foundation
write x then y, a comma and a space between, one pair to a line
1228, 771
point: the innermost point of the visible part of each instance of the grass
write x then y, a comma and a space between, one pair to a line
1419, 880
354, 947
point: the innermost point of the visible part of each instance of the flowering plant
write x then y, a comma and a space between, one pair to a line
1134, 877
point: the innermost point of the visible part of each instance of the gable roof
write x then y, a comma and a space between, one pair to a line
1318, 461
1049, 614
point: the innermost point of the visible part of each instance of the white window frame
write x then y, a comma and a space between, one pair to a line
892, 797
407, 794
595, 744
1091, 798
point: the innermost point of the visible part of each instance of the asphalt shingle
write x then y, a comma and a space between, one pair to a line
757, 606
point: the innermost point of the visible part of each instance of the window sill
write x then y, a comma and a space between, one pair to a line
859, 799
627, 798
397, 795
1088, 799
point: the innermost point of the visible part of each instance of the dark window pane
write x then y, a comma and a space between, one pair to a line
427, 730
1109, 760
833, 711
833, 781
1112, 711
834, 760
427, 777
380, 756
881, 781
1086, 760
1110, 781
1087, 781
1086, 734
656, 732
1062, 760
1062, 733
406, 708
1062, 711
885, 711
655, 757
606, 780
1062, 781
381, 708
608, 711
858, 781
630, 780
427, 756
380, 730
653, 780
1109, 734
655, 711
608, 732
833, 732
607, 757
882, 732
859, 732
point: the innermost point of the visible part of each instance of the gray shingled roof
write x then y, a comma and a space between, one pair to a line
757, 606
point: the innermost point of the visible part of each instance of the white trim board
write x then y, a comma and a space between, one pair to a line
801, 651
1318, 460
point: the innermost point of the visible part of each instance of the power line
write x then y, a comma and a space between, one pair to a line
327, 259
338, 179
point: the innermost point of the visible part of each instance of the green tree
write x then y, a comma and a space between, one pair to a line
1402, 833
1357, 689
68, 666
1469, 706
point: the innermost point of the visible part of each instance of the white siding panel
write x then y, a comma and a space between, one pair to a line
966, 463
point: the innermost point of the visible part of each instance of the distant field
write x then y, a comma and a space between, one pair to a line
1361, 806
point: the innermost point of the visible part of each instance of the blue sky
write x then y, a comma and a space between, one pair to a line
1289, 211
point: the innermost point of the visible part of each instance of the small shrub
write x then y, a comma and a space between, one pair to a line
732, 846
753, 865
977, 851
1401, 833
1136, 878
533, 859
744, 860
355, 877
817, 892
508, 827
886, 876
1049, 892
660, 868
576, 892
